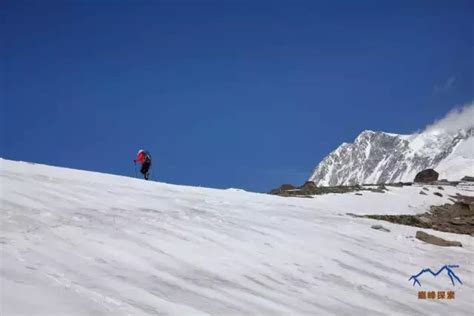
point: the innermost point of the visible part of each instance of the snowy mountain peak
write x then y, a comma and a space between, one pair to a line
380, 157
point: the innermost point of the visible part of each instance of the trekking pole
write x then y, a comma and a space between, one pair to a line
135, 167
153, 174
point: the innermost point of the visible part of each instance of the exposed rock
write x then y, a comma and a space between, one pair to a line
358, 193
377, 190
423, 192
398, 184
426, 176
309, 189
438, 194
380, 189
282, 189
426, 189
457, 221
431, 239
455, 218
409, 220
440, 188
425, 220
381, 228
468, 179
286, 187
308, 185
464, 199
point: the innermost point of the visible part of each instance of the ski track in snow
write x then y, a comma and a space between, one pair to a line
83, 243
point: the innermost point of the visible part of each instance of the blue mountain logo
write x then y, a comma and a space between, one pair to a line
448, 268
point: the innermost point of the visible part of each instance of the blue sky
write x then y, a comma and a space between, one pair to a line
224, 93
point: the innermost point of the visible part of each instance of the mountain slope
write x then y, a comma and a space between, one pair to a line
378, 157
77, 243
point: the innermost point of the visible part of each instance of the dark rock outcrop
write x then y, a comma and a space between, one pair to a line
283, 189
468, 179
380, 189
453, 218
309, 189
308, 185
431, 239
381, 228
426, 176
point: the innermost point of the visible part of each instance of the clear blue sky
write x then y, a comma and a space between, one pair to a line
223, 93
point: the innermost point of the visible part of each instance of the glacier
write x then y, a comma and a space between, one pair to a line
83, 243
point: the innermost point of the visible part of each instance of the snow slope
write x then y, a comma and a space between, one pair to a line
378, 157
460, 163
84, 243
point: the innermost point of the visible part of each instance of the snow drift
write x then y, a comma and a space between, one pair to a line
76, 243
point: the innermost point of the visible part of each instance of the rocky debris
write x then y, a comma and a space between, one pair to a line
426, 176
410, 220
454, 218
466, 200
282, 189
287, 187
380, 189
308, 189
423, 192
431, 239
358, 193
398, 184
425, 220
438, 194
446, 183
456, 221
353, 215
468, 179
308, 185
381, 228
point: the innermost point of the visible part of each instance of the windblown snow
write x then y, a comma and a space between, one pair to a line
447, 145
84, 243
378, 157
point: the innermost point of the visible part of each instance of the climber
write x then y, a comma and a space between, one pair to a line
144, 158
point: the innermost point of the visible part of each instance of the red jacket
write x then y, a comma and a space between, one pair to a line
141, 157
